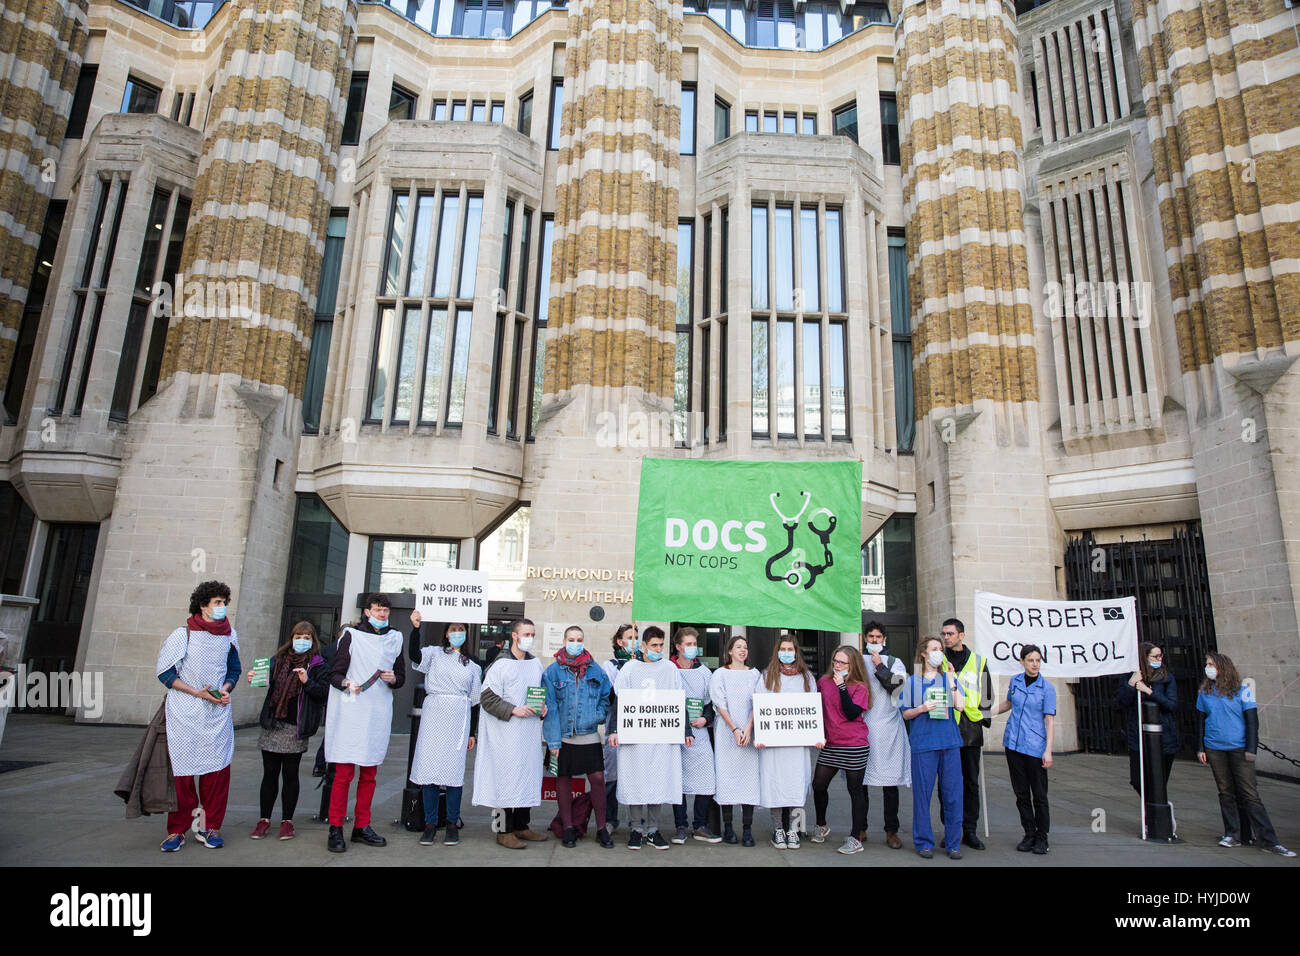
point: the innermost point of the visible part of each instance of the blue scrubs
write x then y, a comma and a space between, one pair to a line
1026, 730
936, 753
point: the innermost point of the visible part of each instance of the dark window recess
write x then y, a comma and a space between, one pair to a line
140, 97
323, 327
844, 121
81, 101
557, 108
16, 521
158, 336
401, 104
526, 114
356, 106
889, 129
20, 366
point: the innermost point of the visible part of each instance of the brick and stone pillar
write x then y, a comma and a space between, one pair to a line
206, 487
613, 301
41, 46
983, 518
1220, 80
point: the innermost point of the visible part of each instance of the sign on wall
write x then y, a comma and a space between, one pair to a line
763, 544
450, 594
651, 716
788, 720
1077, 638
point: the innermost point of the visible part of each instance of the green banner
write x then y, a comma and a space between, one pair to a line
761, 544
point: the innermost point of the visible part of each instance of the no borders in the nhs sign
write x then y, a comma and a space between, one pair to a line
765, 544
452, 595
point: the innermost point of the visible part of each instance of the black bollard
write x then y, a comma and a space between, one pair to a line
1159, 814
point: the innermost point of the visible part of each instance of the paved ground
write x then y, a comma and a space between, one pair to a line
64, 813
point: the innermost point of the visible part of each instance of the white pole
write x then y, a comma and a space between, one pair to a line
984, 795
1142, 772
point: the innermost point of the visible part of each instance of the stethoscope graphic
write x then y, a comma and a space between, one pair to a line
791, 524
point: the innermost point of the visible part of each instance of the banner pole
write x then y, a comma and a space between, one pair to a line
984, 794
1142, 770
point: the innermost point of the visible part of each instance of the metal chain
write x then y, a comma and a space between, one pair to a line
1279, 756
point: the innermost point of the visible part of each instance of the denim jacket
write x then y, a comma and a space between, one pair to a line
573, 708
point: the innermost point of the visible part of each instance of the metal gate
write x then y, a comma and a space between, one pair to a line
1172, 587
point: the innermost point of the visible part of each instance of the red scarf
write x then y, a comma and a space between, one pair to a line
577, 664
791, 670
678, 661
197, 623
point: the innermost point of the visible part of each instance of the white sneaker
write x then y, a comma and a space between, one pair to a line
1279, 849
1229, 841
778, 838
820, 833
792, 840
850, 845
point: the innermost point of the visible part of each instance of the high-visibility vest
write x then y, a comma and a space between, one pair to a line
969, 680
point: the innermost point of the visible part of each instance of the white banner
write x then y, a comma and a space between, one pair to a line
651, 716
452, 595
1077, 638
788, 720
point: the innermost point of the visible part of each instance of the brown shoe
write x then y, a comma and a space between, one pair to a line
894, 842
510, 841
530, 835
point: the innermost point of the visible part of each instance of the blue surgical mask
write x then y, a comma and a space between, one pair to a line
691, 652
653, 656
1155, 665
456, 638
377, 625
301, 645
219, 613
785, 657
573, 648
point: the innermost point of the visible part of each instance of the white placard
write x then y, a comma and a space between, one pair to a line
452, 595
552, 640
788, 720
652, 717
1077, 638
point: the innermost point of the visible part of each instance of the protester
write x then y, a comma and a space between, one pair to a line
845, 698
199, 666
453, 682
649, 775
1027, 741
697, 760
367, 668
889, 762
625, 649
1229, 742
291, 713
785, 773
935, 744
508, 767
735, 761
577, 698
977, 691
1154, 683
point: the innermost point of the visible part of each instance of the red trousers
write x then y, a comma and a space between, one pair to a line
343, 773
214, 791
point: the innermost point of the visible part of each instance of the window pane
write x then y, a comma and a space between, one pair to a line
790, 123
458, 111
401, 104
751, 121
685, 247
478, 111
459, 367
784, 239
758, 266
785, 32
81, 101
383, 362
525, 237
494, 19
758, 361
557, 107
681, 386
516, 365
809, 260
809, 124
723, 265
140, 97
812, 379
503, 274
539, 373
498, 112
707, 271
814, 26
544, 270
688, 121
446, 240
721, 121
494, 388
846, 122
469, 246
704, 380
440, 109
420, 245
722, 380
769, 122
129, 360
433, 352
526, 115
904, 415
407, 360
889, 129
396, 240
836, 370
785, 377
153, 237
834, 269
356, 104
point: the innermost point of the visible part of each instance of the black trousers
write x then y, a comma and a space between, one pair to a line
275, 767
891, 807
1135, 771
518, 818
1029, 781
970, 789
700, 810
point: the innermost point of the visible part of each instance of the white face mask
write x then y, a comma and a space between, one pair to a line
525, 644
936, 658
1212, 673
875, 649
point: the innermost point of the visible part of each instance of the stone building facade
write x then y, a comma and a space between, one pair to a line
304, 295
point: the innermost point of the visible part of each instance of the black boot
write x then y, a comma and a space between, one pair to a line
366, 835
570, 838
335, 843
